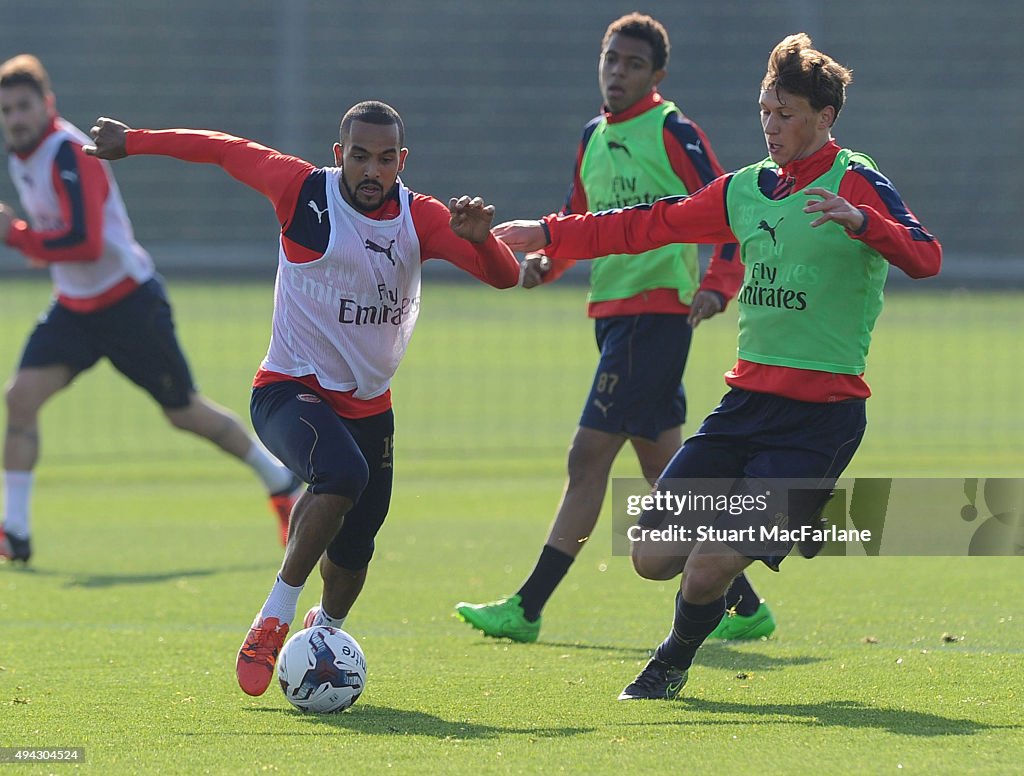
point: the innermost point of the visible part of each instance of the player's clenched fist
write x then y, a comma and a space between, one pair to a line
108, 138
533, 269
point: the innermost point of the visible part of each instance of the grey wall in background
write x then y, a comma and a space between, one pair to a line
494, 96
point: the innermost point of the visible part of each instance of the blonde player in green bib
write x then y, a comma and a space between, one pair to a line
818, 228
640, 148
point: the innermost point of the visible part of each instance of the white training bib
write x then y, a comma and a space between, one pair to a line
122, 256
348, 316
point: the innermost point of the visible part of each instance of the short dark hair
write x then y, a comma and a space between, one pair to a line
372, 112
643, 27
25, 70
794, 66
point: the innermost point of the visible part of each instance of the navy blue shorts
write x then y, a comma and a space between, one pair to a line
136, 334
637, 388
336, 455
759, 436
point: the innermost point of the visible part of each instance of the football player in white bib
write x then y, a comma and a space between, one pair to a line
108, 302
346, 300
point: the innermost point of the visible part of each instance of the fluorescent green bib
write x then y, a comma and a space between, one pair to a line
626, 164
810, 297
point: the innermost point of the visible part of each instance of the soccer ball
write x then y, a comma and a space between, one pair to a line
321, 670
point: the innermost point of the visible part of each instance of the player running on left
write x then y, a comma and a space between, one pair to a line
108, 301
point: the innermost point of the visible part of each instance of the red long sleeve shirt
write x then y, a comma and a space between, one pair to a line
889, 228
695, 163
282, 178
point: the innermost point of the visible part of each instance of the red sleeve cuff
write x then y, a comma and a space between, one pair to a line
872, 230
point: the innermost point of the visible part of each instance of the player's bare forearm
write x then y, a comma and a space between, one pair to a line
526, 236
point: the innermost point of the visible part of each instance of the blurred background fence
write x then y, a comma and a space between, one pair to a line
494, 96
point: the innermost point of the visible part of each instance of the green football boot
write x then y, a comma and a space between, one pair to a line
500, 619
759, 625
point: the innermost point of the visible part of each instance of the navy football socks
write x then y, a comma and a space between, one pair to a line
741, 597
551, 568
692, 624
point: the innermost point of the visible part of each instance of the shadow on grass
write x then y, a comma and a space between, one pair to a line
716, 654
613, 650
845, 714
713, 654
380, 720
92, 581
16, 567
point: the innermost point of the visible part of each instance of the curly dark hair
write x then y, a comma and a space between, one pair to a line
643, 27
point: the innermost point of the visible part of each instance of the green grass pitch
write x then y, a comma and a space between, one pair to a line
153, 553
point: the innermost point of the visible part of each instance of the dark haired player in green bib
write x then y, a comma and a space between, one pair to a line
818, 227
640, 148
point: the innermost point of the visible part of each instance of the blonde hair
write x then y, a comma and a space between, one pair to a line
25, 70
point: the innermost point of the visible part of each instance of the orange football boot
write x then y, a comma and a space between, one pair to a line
258, 655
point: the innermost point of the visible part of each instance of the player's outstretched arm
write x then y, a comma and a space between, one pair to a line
108, 139
459, 233
523, 236
275, 175
471, 218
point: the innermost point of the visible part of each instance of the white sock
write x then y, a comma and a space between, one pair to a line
323, 618
281, 602
17, 492
273, 473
